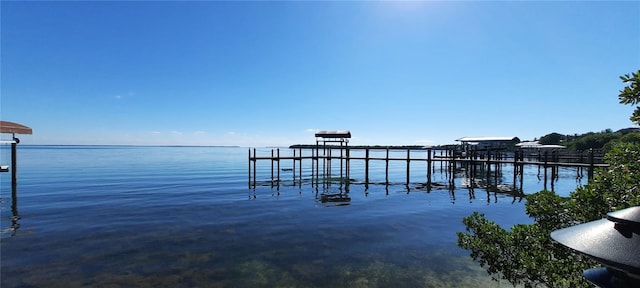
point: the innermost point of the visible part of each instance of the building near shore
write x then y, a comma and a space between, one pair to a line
488, 142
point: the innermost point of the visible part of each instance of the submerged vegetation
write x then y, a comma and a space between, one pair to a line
525, 254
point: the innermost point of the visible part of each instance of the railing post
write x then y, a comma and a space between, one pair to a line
591, 164
300, 167
14, 162
429, 166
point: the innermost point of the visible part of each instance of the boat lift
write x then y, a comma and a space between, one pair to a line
13, 129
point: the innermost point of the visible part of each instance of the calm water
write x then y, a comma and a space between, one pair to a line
110, 216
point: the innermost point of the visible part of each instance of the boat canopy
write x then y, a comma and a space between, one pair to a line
14, 128
333, 134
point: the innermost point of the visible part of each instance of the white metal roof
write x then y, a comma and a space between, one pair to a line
536, 145
551, 147
529, 144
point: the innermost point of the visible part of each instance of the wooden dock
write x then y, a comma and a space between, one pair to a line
322, 158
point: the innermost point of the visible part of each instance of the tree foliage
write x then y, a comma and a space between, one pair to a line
630, 94
625, 138
551, 139
526, 255
593, 140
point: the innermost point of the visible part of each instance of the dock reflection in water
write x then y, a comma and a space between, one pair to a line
15, 217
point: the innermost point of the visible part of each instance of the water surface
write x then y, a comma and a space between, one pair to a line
119, 216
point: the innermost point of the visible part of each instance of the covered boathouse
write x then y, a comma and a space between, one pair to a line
488, 143
335, 136
12, 128
332, 136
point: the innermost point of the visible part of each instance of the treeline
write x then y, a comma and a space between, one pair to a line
592, 140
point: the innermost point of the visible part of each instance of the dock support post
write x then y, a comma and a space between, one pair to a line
554, 168
515, 168
386, 168
488, 167
249, 170
313, 168
271, 167
472, 167
546, 153
278, 159
14, 162
341, 159
348, 164
324, 162
452, 172
591, 166
299, 168
366, 166
408, 165
254, 167
328, 177
317, 158
429, 167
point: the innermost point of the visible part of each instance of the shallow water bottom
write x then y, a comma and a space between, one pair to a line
286, 239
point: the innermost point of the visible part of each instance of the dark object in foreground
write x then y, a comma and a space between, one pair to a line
613, 241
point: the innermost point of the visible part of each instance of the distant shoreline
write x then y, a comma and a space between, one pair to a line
129, 145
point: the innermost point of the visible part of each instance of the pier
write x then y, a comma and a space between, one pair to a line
331, 164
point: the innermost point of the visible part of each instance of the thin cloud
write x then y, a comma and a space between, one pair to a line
122, 96
176, 132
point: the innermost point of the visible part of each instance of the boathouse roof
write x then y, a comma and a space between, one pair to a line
15, 128
536, 145
529, 144
489, 139
333, 134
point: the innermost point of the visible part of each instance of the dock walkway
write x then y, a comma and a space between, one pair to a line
321, 158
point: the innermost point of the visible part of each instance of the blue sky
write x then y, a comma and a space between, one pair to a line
272, 73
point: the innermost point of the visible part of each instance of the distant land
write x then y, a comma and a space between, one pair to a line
126, 145
576, 142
